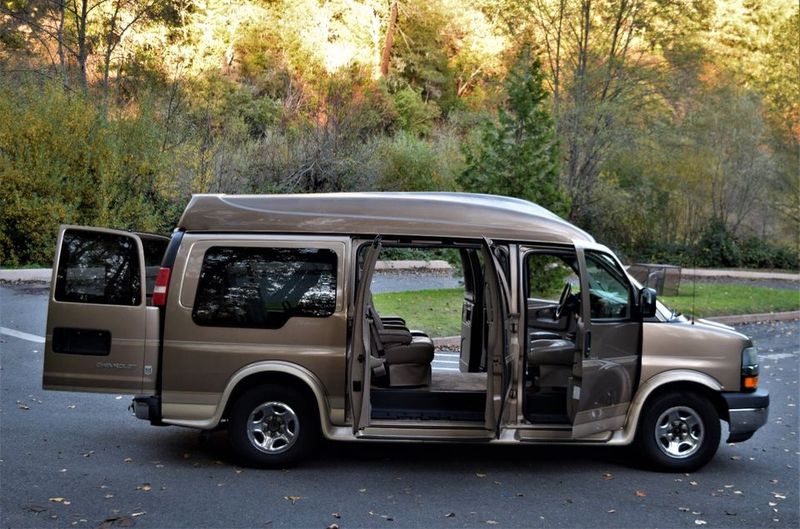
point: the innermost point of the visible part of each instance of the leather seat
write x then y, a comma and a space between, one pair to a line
558, 352
400, 359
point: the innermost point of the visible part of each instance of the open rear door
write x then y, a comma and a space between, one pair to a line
97, 313
498, 350
359, 367
606, 362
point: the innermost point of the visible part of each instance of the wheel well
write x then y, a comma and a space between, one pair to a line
693, 387
269, 378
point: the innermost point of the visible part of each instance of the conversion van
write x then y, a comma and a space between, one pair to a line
258, 316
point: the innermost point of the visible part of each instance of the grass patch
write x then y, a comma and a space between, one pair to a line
438, 312
722, 299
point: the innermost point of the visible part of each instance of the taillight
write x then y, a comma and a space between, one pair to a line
160, 290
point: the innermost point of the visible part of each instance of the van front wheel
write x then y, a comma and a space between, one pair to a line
678, 432
272, 427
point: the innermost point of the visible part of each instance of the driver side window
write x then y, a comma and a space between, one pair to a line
547, 274
609, 289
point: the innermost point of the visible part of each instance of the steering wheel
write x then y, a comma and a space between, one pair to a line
562, 301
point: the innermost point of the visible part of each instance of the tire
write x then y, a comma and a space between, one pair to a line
287, 430
678, 432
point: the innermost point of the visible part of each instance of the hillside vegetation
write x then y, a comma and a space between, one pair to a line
670, 129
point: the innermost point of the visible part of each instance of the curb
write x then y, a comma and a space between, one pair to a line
756, 318
33, 275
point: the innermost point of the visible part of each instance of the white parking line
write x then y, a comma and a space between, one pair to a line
445, 369
445, 361
448, 354
22, 335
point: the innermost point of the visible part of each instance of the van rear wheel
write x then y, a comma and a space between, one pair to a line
272, 427
678, 432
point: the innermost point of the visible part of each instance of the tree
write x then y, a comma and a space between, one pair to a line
518, 155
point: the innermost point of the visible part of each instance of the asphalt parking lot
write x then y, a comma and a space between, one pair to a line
81, 460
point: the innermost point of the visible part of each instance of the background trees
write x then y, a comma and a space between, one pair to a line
659, 125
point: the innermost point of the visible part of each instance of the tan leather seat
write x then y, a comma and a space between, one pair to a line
402, 359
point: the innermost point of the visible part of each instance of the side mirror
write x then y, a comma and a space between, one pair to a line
647, 303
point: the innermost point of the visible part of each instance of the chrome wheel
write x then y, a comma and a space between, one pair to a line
272, 427
679, 432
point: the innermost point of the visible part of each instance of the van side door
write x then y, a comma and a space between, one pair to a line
359, 365
97, 313
605, 377
500, 356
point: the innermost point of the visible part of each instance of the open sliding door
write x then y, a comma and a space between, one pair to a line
499, 355
359, 367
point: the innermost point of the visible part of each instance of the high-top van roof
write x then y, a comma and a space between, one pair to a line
456, 215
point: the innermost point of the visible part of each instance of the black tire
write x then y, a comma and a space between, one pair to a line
687, 419
301, 418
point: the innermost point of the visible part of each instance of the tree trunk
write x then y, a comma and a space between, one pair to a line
389, 42
82, 45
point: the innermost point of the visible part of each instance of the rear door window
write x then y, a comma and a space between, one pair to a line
264, 287
98, 267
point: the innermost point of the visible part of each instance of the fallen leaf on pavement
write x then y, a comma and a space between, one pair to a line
22, 406
607, 476
57, 500
683, 509
611, 511
480, 475
450, 515
145, 487
640, 493
139, 513
336, 515
293, 499
700, 522
333, 526
127, 460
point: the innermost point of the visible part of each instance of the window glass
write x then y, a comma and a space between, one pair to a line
154, 249
264, 287
609, 290
547, 275
99, 268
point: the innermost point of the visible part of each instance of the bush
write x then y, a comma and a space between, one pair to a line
408, 163
63, 161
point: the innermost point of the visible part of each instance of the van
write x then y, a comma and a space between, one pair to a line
258, 316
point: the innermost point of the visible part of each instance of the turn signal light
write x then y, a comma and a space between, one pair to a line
160, 290
750, 382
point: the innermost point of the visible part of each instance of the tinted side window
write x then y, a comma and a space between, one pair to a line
609, 290
264, 287
154, 249
99, 268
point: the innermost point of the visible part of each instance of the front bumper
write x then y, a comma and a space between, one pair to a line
747, 412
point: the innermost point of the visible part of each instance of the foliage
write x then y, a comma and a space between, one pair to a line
64, 162
670, 117
518, 155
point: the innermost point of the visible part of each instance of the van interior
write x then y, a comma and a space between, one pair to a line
414, 380
411, 378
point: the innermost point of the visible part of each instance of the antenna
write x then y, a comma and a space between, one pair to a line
694, 275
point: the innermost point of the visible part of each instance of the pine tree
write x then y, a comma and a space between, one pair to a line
518, 155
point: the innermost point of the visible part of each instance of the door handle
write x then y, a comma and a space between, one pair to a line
587, 344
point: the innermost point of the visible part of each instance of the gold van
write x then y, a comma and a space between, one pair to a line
257, 315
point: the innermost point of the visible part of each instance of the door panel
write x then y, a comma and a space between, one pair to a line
498, 350
606, 376
359, 366
97, 312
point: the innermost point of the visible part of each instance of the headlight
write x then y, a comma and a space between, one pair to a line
749, 368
